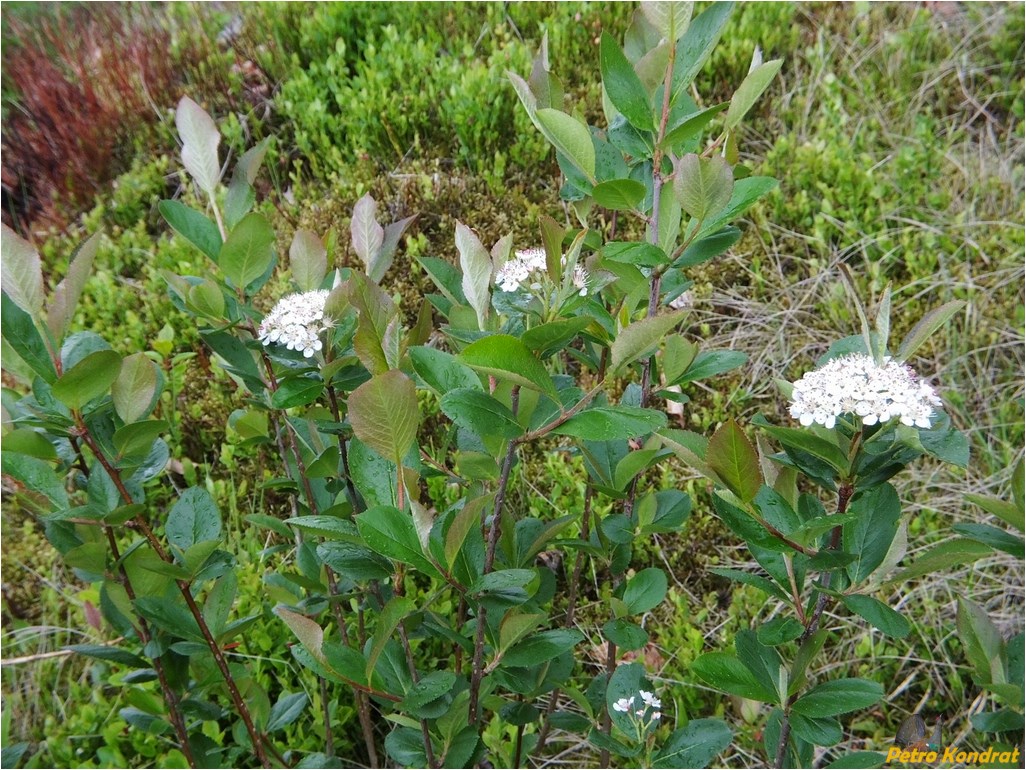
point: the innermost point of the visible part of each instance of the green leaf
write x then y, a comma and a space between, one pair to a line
734, 459
750, 90
21, 333
645, 591
249, 250
879, 614
368, 236
111, 653
200, 138
136, 438
690, 127
698, 42
308, 260
806, 441
856, 760
288, 708
310, 635
441, 371
64, 301
779, 630
838, 697
36, 475
570, 138
763, 584
1010, 513
22, 272
704, 249
297, 391
670, 19
982, 643
631, 253
693, 746
711, 362
870, 535
385, 415
397, 608
943, 556
476, 264
821, 731
392, 533
703, 185
88, 379
507, 358
463, 522
622, 85
446, 277
746, 192
641, 338
724, 672
951, 446
135, 390
548, 338
477, 412
196, 228
619, 194
32, 443
609, 423
625, 635
927, 325
194, 518
541, 647
996, 538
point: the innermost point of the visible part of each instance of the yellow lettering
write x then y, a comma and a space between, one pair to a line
949, 754
893, 753
1015, 754
931, 757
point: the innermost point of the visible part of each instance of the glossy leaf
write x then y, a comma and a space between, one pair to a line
695, 745
476, 264
726, 673
570, 138
442, 371
20, 333
22, 272
645, 591
507, 358
385, 415
200, 139
703, 185
879, 614
249, 250
622, 85
197, 229
734, 459
391, 532
194, 518
838, 697
751, 88
308, 260
476, 411
694, 47
89, 378
619, 194
641, 338
608, 423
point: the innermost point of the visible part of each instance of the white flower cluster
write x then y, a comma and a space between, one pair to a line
297, 322
528, 267
855, 384
626, 705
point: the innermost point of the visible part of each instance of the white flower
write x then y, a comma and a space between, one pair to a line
651, 700
683, 301
580, 279
519, 270
297, 322
855, 384
656, 715
623, 705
